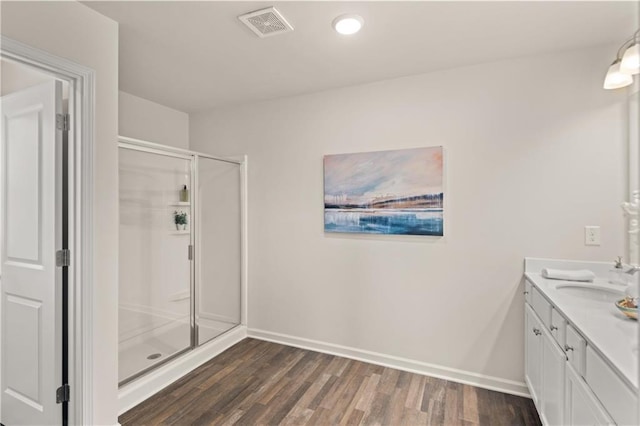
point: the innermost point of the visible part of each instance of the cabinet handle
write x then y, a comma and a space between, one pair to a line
537, 332
567, 348
553, 327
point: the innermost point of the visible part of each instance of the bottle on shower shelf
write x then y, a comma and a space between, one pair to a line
184, 194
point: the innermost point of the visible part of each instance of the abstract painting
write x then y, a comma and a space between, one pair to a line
386, 192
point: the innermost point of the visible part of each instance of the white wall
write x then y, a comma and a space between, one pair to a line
73, 31
14, 77
535, 150
149, 121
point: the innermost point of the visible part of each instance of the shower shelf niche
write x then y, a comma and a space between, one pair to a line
181, 232
180, 203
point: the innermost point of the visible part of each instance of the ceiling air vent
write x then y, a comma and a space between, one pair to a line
266, 22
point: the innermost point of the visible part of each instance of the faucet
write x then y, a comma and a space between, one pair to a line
633, 270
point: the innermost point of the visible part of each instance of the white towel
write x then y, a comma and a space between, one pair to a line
560, 274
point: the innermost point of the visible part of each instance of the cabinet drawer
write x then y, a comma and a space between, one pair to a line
541, 306
575, 348
558, 327
527, 291
617, 398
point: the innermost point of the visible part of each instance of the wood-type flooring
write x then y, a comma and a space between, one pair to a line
261, 383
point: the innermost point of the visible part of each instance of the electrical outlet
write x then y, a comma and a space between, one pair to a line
591, 235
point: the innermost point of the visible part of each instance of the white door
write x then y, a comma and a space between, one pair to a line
31, 230
581, 405
533, 354
554, 361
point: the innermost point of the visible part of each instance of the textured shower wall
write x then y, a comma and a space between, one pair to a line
154, 269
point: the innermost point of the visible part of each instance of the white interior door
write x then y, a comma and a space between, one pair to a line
30, 222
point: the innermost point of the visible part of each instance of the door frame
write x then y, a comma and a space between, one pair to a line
81, 109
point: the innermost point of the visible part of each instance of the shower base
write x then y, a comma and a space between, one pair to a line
143, 347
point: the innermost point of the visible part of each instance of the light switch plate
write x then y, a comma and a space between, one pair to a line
591, 235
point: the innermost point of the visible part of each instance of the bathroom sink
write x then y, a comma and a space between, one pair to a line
591, 292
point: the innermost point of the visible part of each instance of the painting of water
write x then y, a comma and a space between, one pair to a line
386, 192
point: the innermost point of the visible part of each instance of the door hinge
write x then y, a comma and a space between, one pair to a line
190, 252
63, 122
63, 257
63, 393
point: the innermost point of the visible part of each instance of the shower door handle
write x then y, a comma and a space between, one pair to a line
190, 252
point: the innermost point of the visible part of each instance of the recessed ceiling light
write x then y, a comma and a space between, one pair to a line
348, 24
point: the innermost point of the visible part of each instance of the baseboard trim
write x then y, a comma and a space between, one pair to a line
140, 389
412, 366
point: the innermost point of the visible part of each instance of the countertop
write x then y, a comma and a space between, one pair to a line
606, 330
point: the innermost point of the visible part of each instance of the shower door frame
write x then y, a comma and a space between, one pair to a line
193, 156
196, 207
141, 147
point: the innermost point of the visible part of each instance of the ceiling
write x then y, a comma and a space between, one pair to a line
194, 56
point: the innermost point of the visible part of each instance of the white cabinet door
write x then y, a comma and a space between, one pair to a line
31, 338
620, 400
533, 354
551, 396
581, 406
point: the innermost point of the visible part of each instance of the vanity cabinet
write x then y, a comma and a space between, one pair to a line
533, 353
610, 390
569, 381
544, 369
554, 362
576, 348
581, 405
558, 327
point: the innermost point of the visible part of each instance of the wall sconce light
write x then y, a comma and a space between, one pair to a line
625, 65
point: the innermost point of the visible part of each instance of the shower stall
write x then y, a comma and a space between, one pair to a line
180, 253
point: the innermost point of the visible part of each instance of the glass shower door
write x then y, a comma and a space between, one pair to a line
218, 248
154, 265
